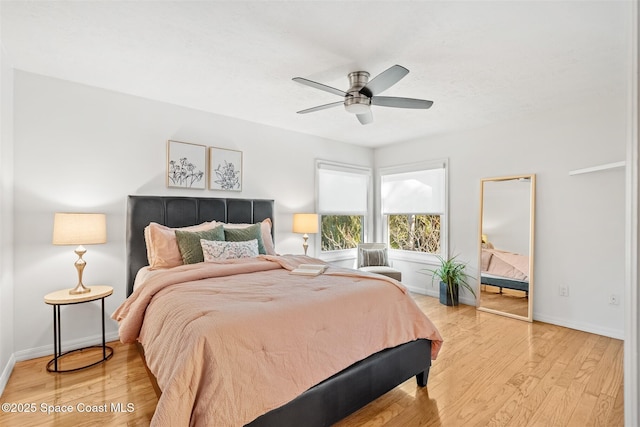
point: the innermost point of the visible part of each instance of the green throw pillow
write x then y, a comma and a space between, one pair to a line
244, 234
189, 243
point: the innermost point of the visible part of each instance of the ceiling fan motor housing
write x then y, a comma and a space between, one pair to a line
356, 102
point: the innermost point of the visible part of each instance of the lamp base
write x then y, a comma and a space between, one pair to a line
305, 245
80, 264
79, 289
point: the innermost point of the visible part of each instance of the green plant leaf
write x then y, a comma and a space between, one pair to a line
452, 273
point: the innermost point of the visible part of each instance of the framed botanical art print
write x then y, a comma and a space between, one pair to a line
186, 165
225, 169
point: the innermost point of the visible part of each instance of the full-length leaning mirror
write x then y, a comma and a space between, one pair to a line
506, 239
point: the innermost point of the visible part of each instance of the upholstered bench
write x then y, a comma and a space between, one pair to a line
373, 258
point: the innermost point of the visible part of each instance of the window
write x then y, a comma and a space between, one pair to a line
413, 202
343, 202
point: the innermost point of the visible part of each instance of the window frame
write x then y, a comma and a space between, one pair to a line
413, 256
367, 216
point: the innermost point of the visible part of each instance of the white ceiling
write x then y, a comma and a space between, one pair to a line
479, 61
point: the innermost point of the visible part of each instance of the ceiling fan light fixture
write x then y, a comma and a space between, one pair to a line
357, 104
357, 108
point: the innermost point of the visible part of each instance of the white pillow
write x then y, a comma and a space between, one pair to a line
215, 250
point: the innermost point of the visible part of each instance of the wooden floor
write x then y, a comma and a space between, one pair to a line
492, 370
507, 301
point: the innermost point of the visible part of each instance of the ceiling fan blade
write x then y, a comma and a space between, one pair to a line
320, 86
393, 101
320, 107
365, 118
384, 80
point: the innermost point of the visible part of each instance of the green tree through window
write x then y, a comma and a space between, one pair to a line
420, 233
341, 232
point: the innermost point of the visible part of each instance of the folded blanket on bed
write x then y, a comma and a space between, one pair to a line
228, 342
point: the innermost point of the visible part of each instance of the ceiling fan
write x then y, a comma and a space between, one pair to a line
363, 93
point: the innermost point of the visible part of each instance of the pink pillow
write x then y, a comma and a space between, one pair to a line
265, 228
486, 259
162, 246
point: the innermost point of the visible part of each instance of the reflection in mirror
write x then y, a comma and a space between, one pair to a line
506, 240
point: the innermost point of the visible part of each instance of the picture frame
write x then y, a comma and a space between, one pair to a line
186, 165
225, 169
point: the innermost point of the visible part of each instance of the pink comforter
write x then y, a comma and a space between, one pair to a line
229, 342
505, 264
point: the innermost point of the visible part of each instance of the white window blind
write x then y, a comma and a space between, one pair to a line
415, 192
342, 190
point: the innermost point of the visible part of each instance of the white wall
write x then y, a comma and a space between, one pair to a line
6, 220
580, 221
79, 148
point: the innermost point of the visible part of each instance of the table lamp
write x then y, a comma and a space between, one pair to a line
79, 229
305, 223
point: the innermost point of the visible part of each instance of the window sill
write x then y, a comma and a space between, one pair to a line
341, 255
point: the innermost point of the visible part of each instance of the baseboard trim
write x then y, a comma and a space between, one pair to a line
436, 294
420, 291
580, 326
33, 353
6, 373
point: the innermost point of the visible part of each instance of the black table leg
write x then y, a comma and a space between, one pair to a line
59, 330
104, 339
107, 351
55, 339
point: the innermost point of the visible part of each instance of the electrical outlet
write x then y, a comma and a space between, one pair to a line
563, 291
613, 299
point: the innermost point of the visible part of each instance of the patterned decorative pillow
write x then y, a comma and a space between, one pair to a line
373, 257
189, 243
246, 233
217, 250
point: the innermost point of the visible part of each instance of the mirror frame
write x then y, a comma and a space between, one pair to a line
532, 205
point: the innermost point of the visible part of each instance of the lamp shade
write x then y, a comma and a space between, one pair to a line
305, 223
79, 229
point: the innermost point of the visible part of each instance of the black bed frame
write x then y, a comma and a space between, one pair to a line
332, 399
505, 282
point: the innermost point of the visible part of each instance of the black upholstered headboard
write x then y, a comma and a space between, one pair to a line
181, 212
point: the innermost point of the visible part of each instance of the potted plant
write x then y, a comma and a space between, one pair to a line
452, 276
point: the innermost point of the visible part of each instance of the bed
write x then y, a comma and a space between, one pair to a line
326, 401
504, 269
